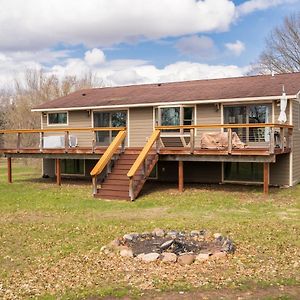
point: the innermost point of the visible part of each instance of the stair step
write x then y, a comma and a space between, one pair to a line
117, 181
113, 193
112, 197
114, 187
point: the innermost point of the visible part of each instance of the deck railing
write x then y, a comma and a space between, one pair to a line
256, 135
35, 138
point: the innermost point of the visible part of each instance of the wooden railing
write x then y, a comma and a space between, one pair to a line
275, 131
107, 156
141, 161
42, 132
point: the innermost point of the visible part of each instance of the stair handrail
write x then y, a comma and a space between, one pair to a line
109, 152
143, 154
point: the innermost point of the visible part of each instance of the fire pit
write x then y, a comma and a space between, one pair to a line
172, 246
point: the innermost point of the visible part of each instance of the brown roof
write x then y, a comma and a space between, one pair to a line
211, 89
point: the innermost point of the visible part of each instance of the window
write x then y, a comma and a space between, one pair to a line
57, 118
174, 116
72, 166
243, 171
249, 114
108, 119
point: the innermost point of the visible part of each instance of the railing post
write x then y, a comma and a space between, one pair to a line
157, 144
229, 140
94, 141
131, 189
282, 139
192, 140
94, 183
272, 140
123, 146
18, 141
41, 141
66, 141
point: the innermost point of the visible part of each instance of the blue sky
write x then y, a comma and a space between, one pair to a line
136, 41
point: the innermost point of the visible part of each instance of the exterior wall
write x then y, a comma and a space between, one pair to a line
194, 172
76, 119
140, 125
49, 167
296, 143
280, 170
208, 114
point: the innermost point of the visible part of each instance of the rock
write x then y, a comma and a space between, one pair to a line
130, 236
166, 244
149, 257
140, 256
145, 234
103, 248
203, 256
195, 232
172, 234
168, 257
186, 259
217, 236
114, 244
158, 232
219, 255
126, 252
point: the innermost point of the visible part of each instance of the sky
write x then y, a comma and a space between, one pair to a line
126, 42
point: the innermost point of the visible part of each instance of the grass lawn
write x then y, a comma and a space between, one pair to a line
50, 239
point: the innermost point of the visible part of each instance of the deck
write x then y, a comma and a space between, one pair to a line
208, 142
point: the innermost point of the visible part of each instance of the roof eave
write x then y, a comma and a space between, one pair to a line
247, 99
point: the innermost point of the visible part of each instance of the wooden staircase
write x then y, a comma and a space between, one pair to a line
116, 183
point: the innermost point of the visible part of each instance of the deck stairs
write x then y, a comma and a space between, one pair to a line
116, 183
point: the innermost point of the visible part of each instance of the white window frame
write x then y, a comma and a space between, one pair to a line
58, 124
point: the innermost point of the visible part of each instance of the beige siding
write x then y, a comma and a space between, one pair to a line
76, 119
207, 114
296, 142
279, 171
140, 125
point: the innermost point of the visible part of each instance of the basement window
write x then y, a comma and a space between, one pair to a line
60, 118
243, 171
72, 167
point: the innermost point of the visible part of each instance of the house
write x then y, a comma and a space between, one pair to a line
242, 130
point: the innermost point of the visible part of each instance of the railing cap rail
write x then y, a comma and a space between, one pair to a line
65, 129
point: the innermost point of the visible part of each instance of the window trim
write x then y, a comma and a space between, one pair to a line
58, 124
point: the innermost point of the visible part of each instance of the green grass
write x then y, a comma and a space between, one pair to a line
50, 237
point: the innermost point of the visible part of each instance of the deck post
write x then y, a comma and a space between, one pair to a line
94, 183
180, 176
272, 140
229, 140
192, 140
58, 171
9, 171
266, 177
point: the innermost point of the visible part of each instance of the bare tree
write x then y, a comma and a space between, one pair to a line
282, 49
36, 88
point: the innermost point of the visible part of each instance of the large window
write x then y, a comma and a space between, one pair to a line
58, 118
108, 119
249, 114
72, 166
174, 116
243, 171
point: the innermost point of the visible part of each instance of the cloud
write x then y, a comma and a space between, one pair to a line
253, 5
94, 57
33, 25
236, 48
196, 46
114, 72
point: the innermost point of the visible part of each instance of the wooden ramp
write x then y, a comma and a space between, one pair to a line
116, 185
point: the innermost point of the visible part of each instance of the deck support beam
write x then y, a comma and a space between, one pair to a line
58, 171
180, 176
9, 170
266, 178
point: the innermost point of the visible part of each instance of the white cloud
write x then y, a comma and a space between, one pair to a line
33, 24
236, 48
253, 5
196, 46
115, 72
94, 57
